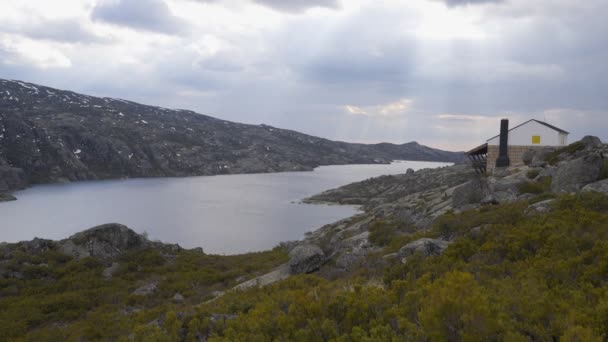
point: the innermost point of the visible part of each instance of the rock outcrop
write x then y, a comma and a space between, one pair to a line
426, 247
306, 259
571, 176
600, 186
104, 242
468, 193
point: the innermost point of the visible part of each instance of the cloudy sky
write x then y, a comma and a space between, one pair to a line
440, 72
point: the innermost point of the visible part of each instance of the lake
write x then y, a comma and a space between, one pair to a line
223, 214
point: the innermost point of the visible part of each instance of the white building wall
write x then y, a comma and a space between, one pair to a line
522, 136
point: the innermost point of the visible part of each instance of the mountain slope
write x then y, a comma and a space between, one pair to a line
54, 135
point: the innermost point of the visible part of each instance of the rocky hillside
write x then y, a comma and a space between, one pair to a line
51, 135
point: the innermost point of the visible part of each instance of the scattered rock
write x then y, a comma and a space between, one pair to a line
198, 250
528, 156
409, 171
571, 176
306, 259
541, 207
500, 197
109, 272
178, 297
467, 193
425, 246
221, 317
68, 247
601, 186
147, 289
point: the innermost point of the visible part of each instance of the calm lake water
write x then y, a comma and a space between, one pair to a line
223, 214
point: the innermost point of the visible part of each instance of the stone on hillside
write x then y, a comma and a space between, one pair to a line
145, 290
425, 246
571, 176
109, 272
467, 193
591, 142
528, 156
541, 207
601, 186
178, 297
409, 171
105, 241
540, 156
305, 259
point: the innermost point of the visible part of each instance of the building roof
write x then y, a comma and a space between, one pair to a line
540, 122
481, 149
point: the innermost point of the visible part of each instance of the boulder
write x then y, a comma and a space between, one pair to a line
541, 207
109, 272
178, 297
306, 259
105, 241
145, 290
409, 171
540, 156
37, 246
601, 186
591, 142
468, 193
425, 246
528, 156
571, 176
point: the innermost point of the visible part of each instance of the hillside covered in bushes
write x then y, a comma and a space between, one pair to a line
442, 254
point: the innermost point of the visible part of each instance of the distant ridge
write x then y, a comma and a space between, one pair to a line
51, 135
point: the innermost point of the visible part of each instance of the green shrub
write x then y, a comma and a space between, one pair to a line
604, 170
381, 233
553, 157
535, 188
533, 173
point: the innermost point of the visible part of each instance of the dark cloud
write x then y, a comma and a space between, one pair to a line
149, 15
297, 6
453, 3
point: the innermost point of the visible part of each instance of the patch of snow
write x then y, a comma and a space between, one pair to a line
121, 114
131, 155
144, 121
77, 151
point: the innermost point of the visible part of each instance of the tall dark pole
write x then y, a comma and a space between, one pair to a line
503, 149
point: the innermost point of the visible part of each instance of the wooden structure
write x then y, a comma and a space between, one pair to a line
479, 157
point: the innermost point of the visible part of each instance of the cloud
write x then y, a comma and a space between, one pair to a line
148, 15
60, 30
26, 51
390, 110
453, 3
298, 6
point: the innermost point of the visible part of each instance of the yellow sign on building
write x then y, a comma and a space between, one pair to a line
536, 139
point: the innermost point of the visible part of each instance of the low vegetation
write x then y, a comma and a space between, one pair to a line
553, 157
508, 275
60, 299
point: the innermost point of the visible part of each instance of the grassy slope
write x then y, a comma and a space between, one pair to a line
518, 277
